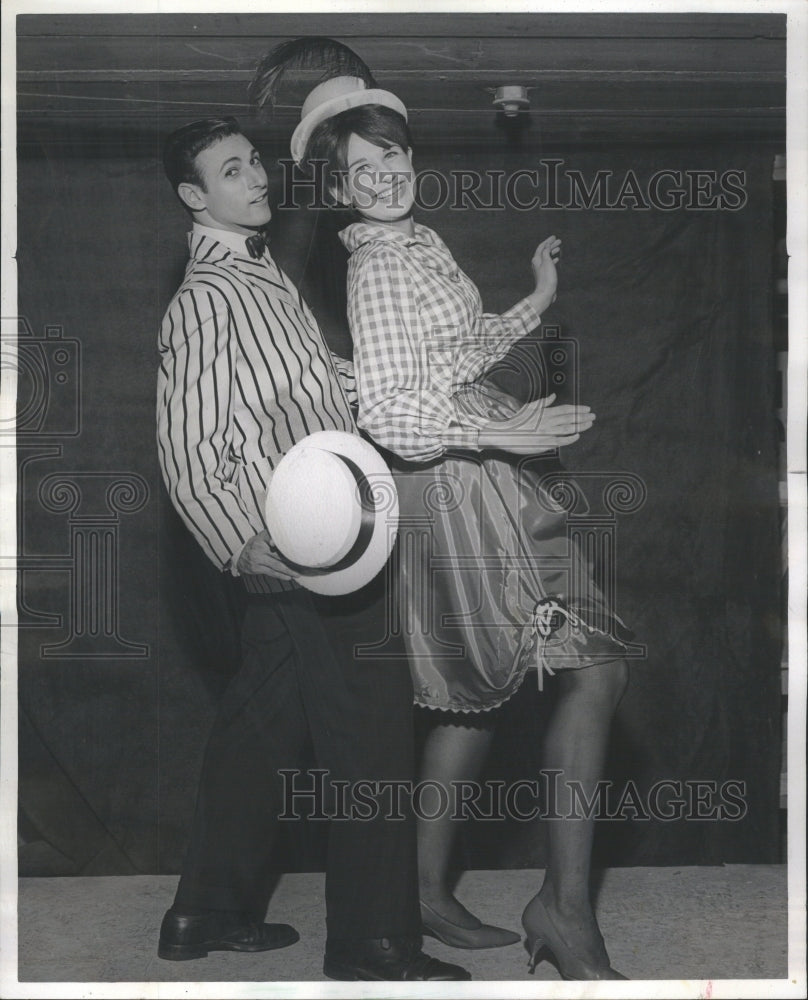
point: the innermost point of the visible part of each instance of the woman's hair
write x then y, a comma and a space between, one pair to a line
374, 123
182, 147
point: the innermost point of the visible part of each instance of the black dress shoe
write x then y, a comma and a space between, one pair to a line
386, 960
183, 937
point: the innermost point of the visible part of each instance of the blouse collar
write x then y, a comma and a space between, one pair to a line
360, 233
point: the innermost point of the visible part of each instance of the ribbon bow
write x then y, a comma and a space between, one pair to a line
548, 616
256, 244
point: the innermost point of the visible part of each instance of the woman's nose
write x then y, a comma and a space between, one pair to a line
380, 165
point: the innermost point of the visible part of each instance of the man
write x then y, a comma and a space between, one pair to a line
244, 375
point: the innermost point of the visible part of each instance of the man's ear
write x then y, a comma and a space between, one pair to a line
192, 196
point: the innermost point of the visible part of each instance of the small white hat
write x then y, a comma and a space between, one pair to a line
332, 511
333, 97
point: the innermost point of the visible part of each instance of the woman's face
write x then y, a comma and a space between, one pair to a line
380, 182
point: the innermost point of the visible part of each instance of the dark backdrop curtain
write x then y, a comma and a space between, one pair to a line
670, 315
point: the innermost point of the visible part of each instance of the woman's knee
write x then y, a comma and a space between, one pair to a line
618, 679
605, 681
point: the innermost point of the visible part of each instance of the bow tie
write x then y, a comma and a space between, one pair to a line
256, 244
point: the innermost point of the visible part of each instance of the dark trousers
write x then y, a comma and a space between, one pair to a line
294, 683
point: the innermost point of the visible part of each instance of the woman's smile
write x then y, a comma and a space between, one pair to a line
380, 180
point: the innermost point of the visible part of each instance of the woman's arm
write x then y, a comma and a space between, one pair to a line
498, 333
405, 397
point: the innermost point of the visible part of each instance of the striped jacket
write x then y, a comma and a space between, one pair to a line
244, 374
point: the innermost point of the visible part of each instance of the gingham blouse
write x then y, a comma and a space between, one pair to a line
421, 339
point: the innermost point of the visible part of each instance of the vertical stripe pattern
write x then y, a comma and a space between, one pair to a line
244, 375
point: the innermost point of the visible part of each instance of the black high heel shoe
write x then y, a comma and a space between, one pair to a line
544, 940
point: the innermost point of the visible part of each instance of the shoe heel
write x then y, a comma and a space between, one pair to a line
537, 949
180, 952
339, 972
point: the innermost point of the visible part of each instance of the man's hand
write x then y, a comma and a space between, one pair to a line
260, 557
538, 427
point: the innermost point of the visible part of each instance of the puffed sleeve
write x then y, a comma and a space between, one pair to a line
405, 401
493, 337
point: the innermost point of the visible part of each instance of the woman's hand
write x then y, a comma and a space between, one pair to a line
537, 427
544, 272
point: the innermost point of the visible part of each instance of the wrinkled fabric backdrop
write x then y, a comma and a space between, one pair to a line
670, 315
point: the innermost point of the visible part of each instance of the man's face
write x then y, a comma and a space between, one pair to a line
234, 192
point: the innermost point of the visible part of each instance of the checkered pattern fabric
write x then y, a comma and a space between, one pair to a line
421, 339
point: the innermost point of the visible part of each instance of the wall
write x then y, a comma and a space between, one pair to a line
669, 312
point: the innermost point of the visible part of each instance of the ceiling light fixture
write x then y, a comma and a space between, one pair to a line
511, 100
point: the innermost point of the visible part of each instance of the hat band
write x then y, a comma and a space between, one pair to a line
363, 536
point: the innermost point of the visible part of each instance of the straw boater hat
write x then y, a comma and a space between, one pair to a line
346, 82
331, 98
332, 511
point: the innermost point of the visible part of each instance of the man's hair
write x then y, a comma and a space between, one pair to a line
374, 123
182, 147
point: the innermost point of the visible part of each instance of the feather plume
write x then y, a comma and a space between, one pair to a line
313, 53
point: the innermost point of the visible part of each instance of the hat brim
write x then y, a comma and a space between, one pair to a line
385, 523
335, 106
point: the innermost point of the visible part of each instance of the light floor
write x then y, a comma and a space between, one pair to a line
659, 923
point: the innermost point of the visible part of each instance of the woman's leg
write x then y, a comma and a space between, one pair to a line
575, 745
455, 750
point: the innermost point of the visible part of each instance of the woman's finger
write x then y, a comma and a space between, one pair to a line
566, 426
570, 409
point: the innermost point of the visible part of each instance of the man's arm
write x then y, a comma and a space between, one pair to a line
195, 424
347, 378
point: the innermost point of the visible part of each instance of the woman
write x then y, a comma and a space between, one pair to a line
422, 345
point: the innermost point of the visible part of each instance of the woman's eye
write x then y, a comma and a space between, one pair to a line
231, 172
